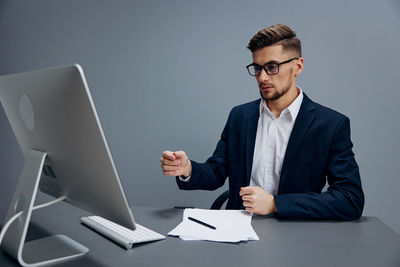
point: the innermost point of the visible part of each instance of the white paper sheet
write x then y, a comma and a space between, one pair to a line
232, 226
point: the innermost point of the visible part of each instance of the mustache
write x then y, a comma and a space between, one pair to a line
265, 84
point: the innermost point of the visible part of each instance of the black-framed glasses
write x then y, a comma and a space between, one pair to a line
270, 68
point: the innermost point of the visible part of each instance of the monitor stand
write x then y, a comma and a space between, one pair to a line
40, 252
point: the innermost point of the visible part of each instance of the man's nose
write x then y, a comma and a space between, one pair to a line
263, 75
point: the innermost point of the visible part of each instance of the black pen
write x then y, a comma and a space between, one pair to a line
202, 223
183, 207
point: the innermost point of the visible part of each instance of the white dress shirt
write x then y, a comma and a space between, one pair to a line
272, 137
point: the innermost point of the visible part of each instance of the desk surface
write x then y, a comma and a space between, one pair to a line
366, 242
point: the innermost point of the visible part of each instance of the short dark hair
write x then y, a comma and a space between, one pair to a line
276, 34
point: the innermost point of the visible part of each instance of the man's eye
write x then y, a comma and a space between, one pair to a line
272, 67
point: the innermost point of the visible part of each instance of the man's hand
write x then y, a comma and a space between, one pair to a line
175, 164
257, 201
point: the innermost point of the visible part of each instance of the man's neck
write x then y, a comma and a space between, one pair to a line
276, 106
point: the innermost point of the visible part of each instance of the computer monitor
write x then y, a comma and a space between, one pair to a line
55, 122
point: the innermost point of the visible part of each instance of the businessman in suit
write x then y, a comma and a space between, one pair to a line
280, 150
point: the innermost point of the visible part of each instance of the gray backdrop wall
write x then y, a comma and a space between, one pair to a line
165, 74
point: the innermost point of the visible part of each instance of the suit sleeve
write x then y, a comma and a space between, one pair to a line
344, 198
213, 173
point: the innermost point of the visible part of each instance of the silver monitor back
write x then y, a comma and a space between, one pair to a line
52, 111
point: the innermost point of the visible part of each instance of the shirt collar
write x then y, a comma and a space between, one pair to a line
292, 109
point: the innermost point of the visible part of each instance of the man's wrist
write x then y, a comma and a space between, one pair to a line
188, 171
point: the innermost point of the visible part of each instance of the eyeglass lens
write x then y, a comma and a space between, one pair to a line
270, 68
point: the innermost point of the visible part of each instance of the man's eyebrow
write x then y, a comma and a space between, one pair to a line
272, 62
269, 62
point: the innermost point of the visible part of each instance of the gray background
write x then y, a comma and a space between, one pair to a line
165, 74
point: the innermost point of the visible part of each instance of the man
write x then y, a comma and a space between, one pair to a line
280, 150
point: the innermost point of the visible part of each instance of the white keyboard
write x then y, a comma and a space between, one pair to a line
119, 234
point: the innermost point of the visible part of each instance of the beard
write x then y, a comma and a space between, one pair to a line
278, 94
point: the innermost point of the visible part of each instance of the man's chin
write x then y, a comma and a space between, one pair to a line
269, 96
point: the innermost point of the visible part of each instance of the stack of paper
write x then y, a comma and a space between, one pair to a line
231, 226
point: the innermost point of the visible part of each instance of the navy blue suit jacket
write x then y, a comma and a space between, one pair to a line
319, 150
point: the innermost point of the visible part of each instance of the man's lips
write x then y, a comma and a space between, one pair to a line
266, 87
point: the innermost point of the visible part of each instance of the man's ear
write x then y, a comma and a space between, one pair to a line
299, 66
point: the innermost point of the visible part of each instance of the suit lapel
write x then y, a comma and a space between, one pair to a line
252, 122
304, 119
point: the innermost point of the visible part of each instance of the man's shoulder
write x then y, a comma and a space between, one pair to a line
324, 112
253, 105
